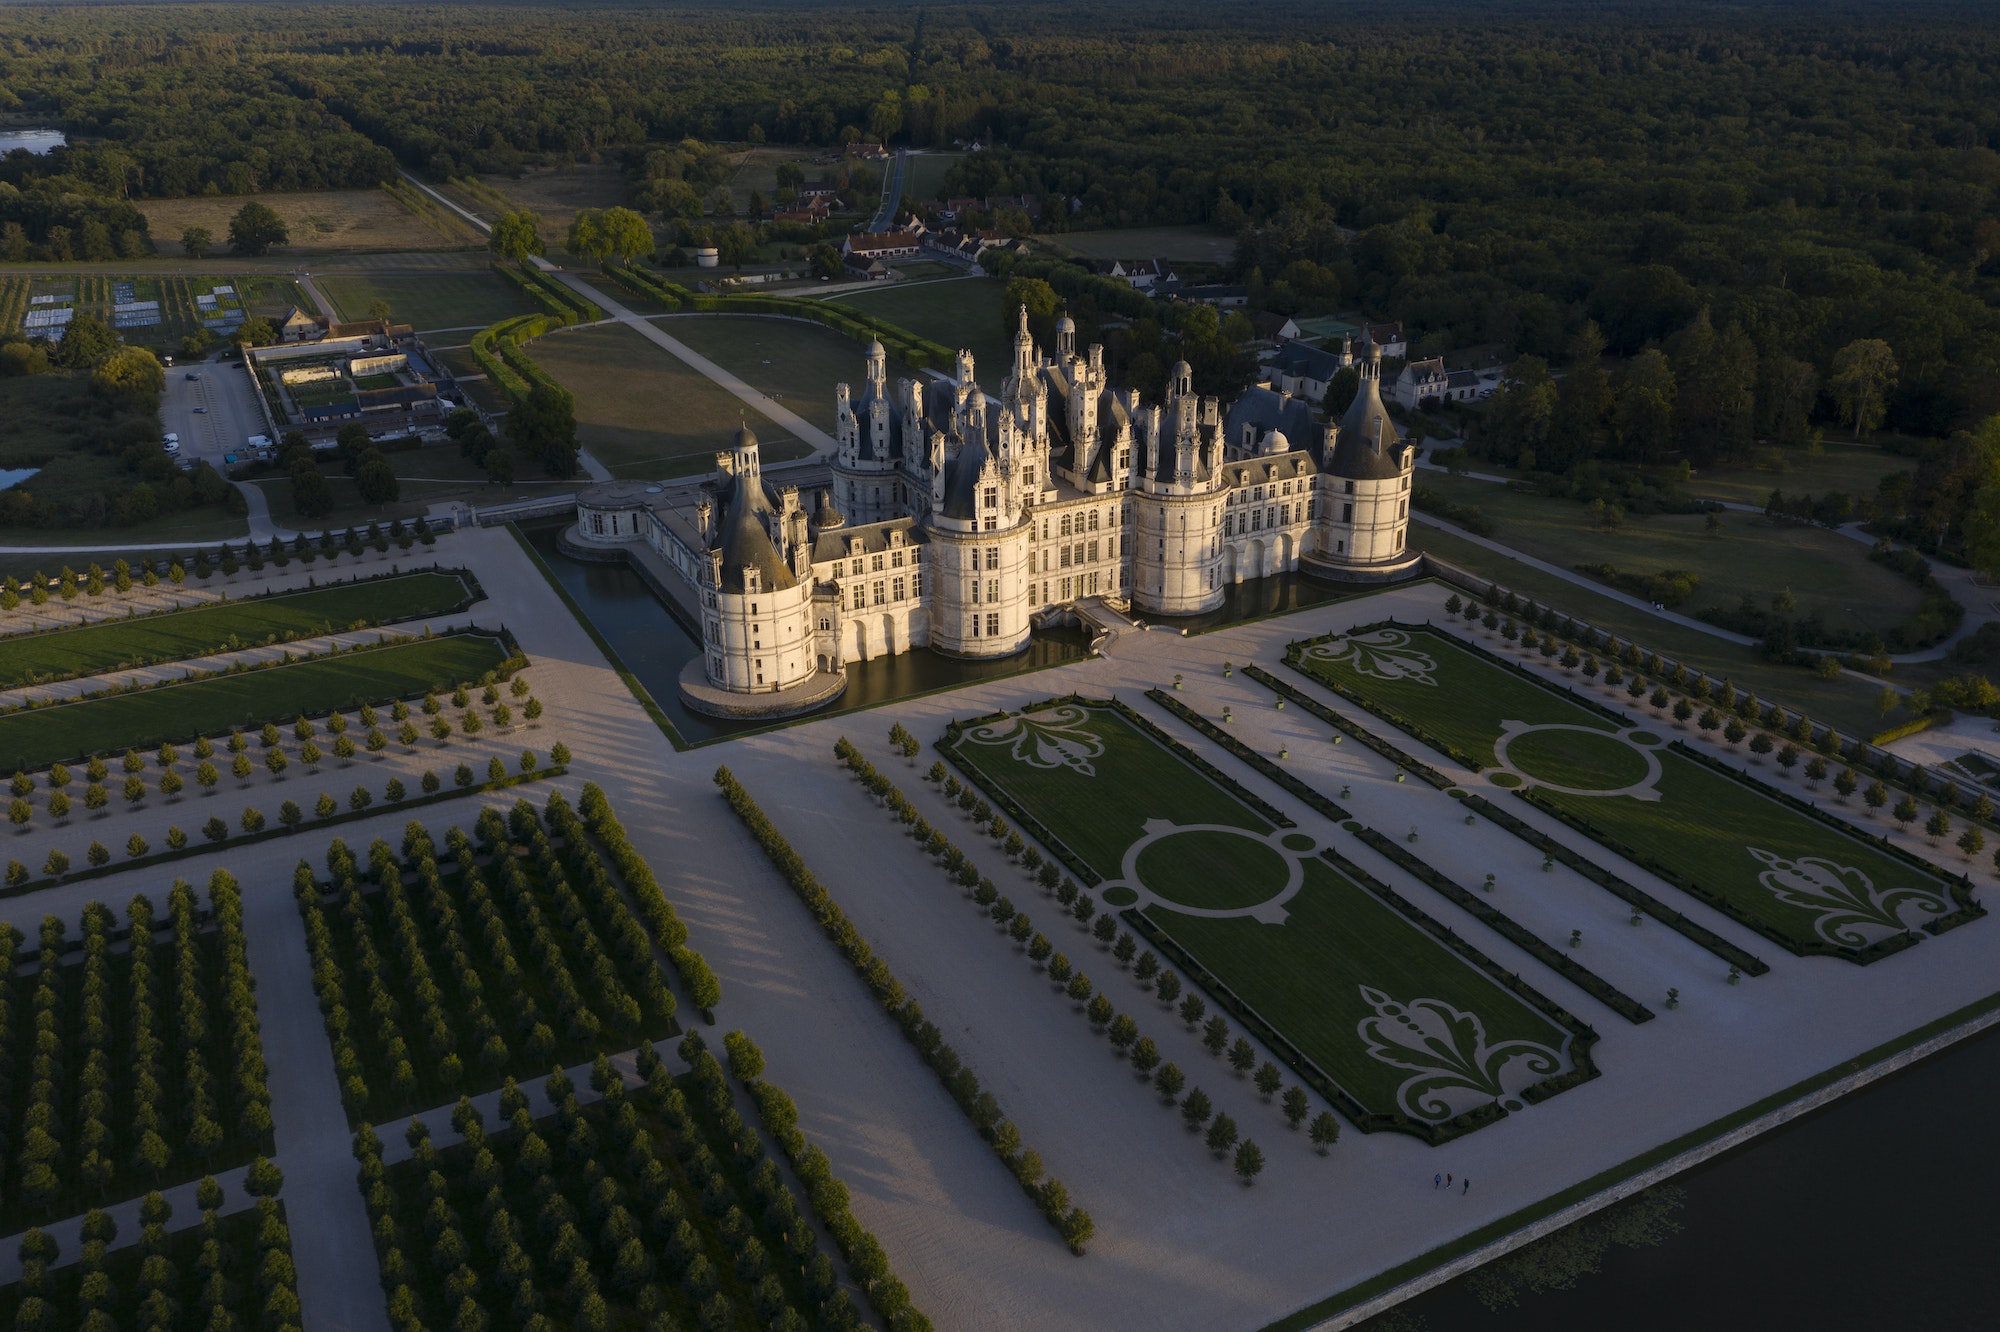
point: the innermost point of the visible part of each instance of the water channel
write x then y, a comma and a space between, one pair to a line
1863, 1215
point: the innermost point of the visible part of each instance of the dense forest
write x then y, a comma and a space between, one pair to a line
1503, 174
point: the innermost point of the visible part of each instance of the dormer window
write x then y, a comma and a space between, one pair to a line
992, 497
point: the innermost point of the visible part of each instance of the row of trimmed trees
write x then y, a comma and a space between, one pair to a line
656, 1207
1720, 710
142, 1064
1048, 1193
1120, 1029
94, 581
291, 814
222, 1272
514, 953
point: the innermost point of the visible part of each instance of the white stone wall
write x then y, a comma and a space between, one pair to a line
1368, 524
979, 592
611, 525
1176, 543
758, 642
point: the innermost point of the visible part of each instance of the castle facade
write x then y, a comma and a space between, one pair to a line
958, 521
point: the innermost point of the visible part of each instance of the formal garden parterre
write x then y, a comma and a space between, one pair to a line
1794, 874
1400, 1028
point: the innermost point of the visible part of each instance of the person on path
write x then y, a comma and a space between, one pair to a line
1447, 1181
1467, 1189
1436, 1180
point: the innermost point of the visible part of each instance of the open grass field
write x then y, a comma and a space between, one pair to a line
644, 414
1830, 575
924, 173
114, 644
1325, 967
1845, 702
323, 220
1799, 881
554, 195
426, 476
32, 740
428, 300
1852, 469
959, 312
797, 363
1196, 243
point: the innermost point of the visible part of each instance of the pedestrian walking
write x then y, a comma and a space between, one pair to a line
1467, 1189
1436, 1180
1447, 1181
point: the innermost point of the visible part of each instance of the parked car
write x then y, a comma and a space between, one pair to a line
201, 411
194, 374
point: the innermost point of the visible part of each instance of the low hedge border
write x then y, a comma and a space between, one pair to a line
1799, 948
1293, 652
1300, 1063
1285, 689
1633, 895
267, 833
1269, 812
1540, 949
1582, 1035
828, 1196
1248, 755
921, 829
602, 823
1049, 1195
1960, 885
948, 746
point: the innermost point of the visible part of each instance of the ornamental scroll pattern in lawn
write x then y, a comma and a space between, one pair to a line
1792, 873
1399, 1030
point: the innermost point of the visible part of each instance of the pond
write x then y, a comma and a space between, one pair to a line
36, 141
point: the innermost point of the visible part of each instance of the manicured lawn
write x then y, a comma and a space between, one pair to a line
1852, 469
110, 645
1829, 575
1213, 871
32, 740
428, 300
642, 412
798, 364
959, 312
1844, 702
1705, 832
1581, 759
1340, 958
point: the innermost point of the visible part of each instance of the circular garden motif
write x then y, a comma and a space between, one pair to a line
1212, 870
1577, 760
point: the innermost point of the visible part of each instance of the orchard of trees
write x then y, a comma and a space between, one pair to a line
653, 1207
132, 1069
437, 978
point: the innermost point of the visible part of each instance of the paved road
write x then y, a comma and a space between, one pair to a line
822, 443
892, 194
326, 307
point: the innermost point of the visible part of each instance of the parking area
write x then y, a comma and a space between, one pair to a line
214, 414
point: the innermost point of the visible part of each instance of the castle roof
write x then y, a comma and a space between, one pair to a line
1368, 447
961, 480
741, 533
1264, 410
